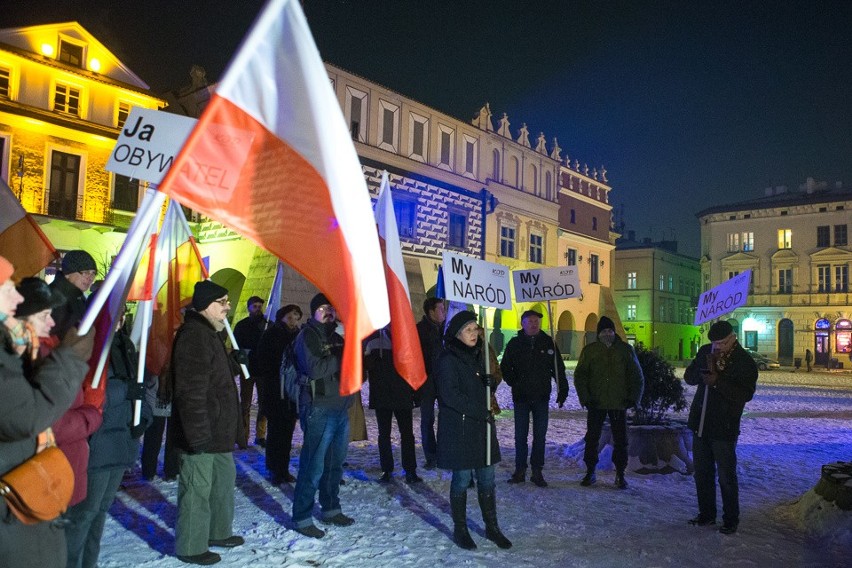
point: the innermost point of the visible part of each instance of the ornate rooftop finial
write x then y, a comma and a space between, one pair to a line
483, 119
541, 144
504, 127
586, 170
524, 136
595, 173
576, 165
603, 174
556, 151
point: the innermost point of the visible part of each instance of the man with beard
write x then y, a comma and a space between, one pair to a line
324, 415
726, 376
279, 410
247, 332
609, 380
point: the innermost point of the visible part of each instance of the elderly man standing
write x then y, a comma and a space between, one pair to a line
71, 284
324, 416
207, 424
609, 380
726, 376
530, 364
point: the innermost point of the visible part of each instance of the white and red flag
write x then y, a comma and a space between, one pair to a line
22, 242
273, 159
407, 356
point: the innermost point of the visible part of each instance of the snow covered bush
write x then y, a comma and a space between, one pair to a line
663, 390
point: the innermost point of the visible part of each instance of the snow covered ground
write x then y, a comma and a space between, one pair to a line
796, 423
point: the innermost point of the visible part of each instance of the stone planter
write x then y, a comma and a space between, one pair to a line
665, 448
835, 484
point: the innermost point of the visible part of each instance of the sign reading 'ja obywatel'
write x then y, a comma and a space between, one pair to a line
473, 281
723, 299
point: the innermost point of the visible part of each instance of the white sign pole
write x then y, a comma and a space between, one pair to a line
487, 355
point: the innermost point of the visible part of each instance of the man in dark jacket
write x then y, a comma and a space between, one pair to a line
76, 278
431, 332
530, 364
324, 415
207, 424
726, 376
609, 380
279, 410
247, 332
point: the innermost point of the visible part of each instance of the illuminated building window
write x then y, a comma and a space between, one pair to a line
841, 278
662, 282
418, 136
594, 274
507, 242
571, 256
631, 280
840, 236
447, 147
785, 281
671, 283
406, 215
748, 241
5, 82
823, 236
125, 193
122, 114
70, 53
733, 242
536, 248
458, 231
389, 126
64, 184
66, 99
785, 238
631, 311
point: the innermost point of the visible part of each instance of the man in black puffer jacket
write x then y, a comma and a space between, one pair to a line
726, 376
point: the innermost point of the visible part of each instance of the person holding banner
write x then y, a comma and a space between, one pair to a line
609, 380
207, 426
463, 416
530, 364
726, 376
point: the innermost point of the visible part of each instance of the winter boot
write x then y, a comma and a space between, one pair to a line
537, 477
488, 504
461, 536
620, 482
590, 478
519, 476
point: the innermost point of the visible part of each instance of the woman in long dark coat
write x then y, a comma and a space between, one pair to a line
464, 417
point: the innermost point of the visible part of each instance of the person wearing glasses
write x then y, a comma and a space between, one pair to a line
324, 416
207, 425
71, 284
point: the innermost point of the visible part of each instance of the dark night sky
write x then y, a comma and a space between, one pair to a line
687, 104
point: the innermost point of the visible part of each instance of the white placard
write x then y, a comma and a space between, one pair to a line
723, 299
543, 284
473, 281
148, 144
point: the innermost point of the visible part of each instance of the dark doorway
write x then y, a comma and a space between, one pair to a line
785, 342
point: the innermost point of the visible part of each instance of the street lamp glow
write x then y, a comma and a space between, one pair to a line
94, 64
47, 50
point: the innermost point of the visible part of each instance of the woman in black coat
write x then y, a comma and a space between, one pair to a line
464, 419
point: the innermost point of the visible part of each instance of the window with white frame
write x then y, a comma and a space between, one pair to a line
446, 147
507, 241
631, 312
5, 82
733, 242
841, 278
536, 248
823, 278
70, 53
418, 136
785, 281
748, 241
356, 113
388, 126
470, 147
785, 238
66, 99
631, 280
122, 112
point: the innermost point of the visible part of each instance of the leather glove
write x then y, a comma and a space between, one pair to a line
137, 431
135, 391
81, 345
240, 357
489, 381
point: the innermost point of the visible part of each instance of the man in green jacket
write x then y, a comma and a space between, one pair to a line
608, 380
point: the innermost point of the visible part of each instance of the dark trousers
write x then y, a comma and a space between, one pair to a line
710, 457
151, 444
539, 411
246, 394
279, 441
427, 423
87, 518
404, 422
594, 424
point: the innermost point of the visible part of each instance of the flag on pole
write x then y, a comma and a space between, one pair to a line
272, 158
274, 303
22, 242
407, 356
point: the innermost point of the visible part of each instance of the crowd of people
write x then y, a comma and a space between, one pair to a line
49, 399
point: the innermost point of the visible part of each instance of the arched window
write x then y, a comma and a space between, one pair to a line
495, 174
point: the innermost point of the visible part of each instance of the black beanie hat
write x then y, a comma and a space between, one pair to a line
206, 292
37, 297
317, 301
253, 300
286, 310
605, 323
459, 320
77, 261
719, 330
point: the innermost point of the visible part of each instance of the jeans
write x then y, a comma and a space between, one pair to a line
87, 518
539, 411
205, 501
709, 457
594, 425
326, 441
484, 479
384, 419
427, 423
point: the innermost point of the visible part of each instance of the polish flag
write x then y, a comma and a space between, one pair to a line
22, 242
407, 356
272, 158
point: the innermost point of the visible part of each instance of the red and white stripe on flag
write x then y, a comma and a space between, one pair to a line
272, 158
22, 242
407, 356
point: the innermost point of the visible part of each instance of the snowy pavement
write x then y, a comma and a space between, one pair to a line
789, 432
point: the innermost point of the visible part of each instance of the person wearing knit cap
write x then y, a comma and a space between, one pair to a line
465, 423
207, 424
247, 332
608, 380
726, 376
72, 284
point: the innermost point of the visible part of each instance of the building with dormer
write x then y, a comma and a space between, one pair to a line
63, 99
797, 247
